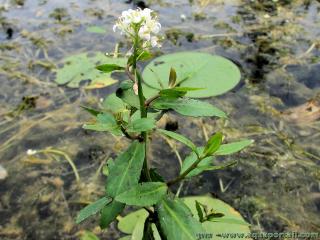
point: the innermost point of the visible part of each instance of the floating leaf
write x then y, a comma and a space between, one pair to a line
96, 29
179, 138
177, 222
141, 125
89, 236
144, 194
110, 212
127, 224
92, 209
126, 171
230, 148
81, 67
188, 107
219, 228
215, 74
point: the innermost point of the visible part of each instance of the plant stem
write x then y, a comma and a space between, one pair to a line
185, 173
143, 109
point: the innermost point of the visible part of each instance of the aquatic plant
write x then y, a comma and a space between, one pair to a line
131, 180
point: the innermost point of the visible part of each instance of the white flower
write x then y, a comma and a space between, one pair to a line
142, 23
31, 152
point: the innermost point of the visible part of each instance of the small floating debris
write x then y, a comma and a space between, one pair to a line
305, 113
3, 173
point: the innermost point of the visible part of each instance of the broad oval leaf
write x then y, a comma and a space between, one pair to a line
188, 107
81, 67
236, 223
177, 222
141, 125
144, 194
230, 148
126, 171
110, 212
215, 74
92, 209
179, 138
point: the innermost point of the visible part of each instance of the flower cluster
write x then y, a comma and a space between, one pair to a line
142, 23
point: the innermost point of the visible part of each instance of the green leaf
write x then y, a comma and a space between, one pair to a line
144, 194
215, 74
205, 163
128, 96
172, 93
228, 221
114, 104
81, 67
110, 212
126, 171
172, 78
96, 29
144, 56
92, 209
177, 222
230, 148
105, 123
105, 168
107, 68
89, 236
92, 111
188, 107
218, 228
127, 224
199, 211
138, 229
141, 125
211, 168
179, 138
213, 144
155, 176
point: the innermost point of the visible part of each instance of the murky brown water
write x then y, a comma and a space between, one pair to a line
276, 185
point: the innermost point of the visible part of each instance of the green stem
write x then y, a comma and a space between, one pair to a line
143, 108
185, 173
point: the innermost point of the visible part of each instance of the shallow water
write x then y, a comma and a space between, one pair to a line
276, 185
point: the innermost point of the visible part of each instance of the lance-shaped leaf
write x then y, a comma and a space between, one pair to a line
126, 171
228, 220
141, 125
144, 194
92, 209
213, 144
92, 111
110, 212
188, 107
192, 158
177, 222
230, 148
176, 91
107, 68
179, 138
212, 168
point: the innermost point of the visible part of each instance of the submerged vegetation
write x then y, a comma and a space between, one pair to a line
274, 43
